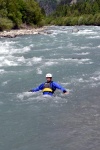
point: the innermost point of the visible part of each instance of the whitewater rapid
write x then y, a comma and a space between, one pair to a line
30, 120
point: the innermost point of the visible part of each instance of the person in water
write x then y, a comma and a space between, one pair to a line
49, 87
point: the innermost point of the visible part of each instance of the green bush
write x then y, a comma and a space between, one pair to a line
33, 13
16, 18
67, 21
41, 23
97, 19
81, 20
19, 12
50, 20
74, 21
81, 13
5, 24
59, 21
89, 20
53, 22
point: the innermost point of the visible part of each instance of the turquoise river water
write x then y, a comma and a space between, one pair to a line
29, 121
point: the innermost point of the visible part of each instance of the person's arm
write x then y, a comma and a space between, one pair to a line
40, 87
58, 86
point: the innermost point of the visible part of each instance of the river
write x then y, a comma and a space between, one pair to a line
30, 121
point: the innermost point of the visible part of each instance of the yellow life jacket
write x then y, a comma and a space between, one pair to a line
47, 88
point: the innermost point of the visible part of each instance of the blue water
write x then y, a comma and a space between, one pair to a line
29, 121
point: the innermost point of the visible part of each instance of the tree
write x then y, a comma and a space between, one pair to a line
32, 12
3, 9
95, 8
13, 12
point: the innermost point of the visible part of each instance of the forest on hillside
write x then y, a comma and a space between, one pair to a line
81, 13
48, 5
15, 14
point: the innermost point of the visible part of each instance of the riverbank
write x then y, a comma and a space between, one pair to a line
20, 32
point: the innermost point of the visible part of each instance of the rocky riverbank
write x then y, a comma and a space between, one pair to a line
20, 32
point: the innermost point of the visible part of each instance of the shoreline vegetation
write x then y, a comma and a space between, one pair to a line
17, 14
80, 13
21, 17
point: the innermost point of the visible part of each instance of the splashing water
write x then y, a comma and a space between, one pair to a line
33, 121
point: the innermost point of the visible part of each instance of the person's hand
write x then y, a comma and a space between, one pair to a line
66, 92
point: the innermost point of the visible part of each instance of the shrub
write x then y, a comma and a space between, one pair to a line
67, 21
81, 20
5, 24
89, 19
97, 19
74, 21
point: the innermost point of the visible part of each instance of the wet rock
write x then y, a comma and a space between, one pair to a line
14, 33
10, 36
75, 30
49, 32
45, 32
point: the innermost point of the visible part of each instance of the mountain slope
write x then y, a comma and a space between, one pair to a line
50, 5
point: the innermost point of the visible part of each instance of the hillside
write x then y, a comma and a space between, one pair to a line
15, 13
50, 5
28, 13
80, 13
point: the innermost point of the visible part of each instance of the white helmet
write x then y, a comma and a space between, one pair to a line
49, 75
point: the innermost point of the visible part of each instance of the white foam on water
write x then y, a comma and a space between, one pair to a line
56, 99
39, 97
18, 61
66, 83
97, 78
45, 49
86, 32
4, 48
21, 59
23, 95
5, 82
2, 58
59, 61
83, 53
85, 47
85, 61
39, 71
55, 32
79, 60
93, 37
50, 63
94, 80
7, 62
32, 61
70, 45
8, 48
80, 80
21, 50
2, 71
8, 57
11, 60
77, 81
37, 59
93, 85
27, 48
